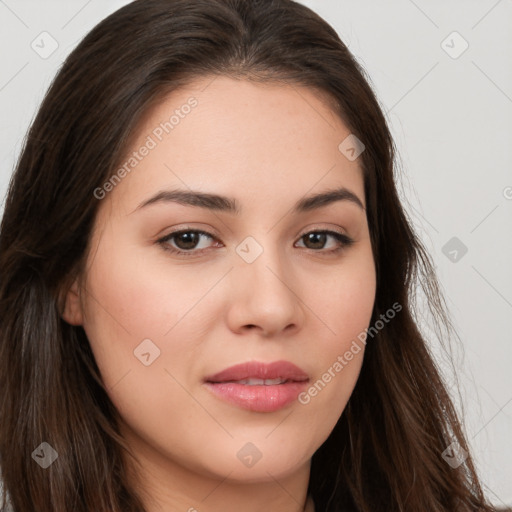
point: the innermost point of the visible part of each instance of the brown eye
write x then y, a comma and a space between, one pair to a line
316, 240
184, 241
187, 240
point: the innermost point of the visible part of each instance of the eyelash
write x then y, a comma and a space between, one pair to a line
344, 240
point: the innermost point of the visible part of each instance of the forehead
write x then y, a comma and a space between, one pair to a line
250, 140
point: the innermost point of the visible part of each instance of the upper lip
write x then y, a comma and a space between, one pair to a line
258, 370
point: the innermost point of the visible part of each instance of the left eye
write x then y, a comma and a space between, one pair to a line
185, 242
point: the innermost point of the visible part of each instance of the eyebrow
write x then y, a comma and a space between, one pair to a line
231, 205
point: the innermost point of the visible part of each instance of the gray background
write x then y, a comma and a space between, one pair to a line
450, 112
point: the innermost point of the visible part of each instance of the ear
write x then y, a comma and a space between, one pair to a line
72, 312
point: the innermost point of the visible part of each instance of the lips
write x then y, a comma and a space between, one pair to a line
282, 370
257, 386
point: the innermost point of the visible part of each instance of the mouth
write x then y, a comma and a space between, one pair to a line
258, 387
260, 382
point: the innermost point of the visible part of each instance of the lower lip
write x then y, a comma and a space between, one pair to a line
257, 398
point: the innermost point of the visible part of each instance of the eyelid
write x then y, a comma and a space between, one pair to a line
309, 229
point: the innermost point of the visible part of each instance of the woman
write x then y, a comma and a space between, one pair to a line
207, 281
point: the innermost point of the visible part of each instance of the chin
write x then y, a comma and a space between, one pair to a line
256, 461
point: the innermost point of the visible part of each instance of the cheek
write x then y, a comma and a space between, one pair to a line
344, 305
136, 324
145, 323
131, 296
127, 303
343, 299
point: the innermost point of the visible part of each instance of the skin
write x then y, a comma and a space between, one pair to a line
267, 145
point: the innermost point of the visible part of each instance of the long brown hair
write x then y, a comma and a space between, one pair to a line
385, 452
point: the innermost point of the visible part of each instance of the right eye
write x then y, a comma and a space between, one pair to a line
184, 242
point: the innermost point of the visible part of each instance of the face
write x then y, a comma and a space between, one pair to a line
274, 280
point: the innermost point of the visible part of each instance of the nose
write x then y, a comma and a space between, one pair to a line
265, 297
